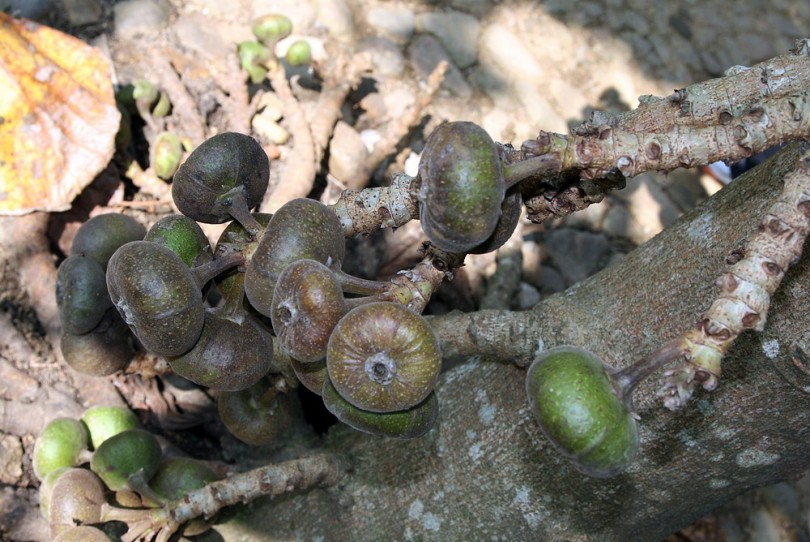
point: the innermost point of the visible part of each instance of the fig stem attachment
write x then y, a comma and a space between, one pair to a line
236, 204
537, 165
626, 380
207, 271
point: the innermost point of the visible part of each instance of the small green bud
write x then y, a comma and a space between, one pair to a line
269, 29
252, 56
163, 105
145, 94
167, 152
299, 53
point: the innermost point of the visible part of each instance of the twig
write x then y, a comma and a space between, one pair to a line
321, 470
747, 287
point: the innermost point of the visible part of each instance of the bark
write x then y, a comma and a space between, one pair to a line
487, 473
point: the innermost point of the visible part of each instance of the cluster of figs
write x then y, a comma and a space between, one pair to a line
373, 360
91, 466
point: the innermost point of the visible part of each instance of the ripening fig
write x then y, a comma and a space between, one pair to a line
107, 349
230, 354
307, 304
461, 186
77, 497
182, 236
582, 411
300, 229
383, 357
259, 415
157, 296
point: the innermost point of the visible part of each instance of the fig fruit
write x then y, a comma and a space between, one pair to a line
461, 186
406, 424
59, 444
81, 294
103, 422
307, 304
582, 411
102, 235
128, 454
383, 357
157, 296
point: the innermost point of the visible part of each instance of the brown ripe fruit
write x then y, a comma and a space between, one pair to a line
383, 357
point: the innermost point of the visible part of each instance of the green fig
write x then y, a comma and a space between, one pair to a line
407, 424
182, 236
59, 444
582, 411
103, 422
128, 454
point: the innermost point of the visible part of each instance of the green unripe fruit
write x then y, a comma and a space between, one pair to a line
252, 57
583, 414
269, 29
179, 475
406, 424
103, 422
182, 236
299, 53
130, 453
166, 155
59, 444
461, 186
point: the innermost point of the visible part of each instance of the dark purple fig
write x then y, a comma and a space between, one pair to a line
259, 415
182, 236
307, 304
300, 229
229, 355
107, 349
81, 294
405, 424
311, 375
461, 186
383, 357
222, 180
102, 235
157, 296
508, 221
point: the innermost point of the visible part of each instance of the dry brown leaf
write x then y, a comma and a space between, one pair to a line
58, 117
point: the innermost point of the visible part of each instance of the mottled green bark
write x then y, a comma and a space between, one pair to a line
487, 473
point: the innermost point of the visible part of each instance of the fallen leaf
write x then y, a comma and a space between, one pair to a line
58, 117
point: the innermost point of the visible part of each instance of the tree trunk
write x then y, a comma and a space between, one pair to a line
487, 473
